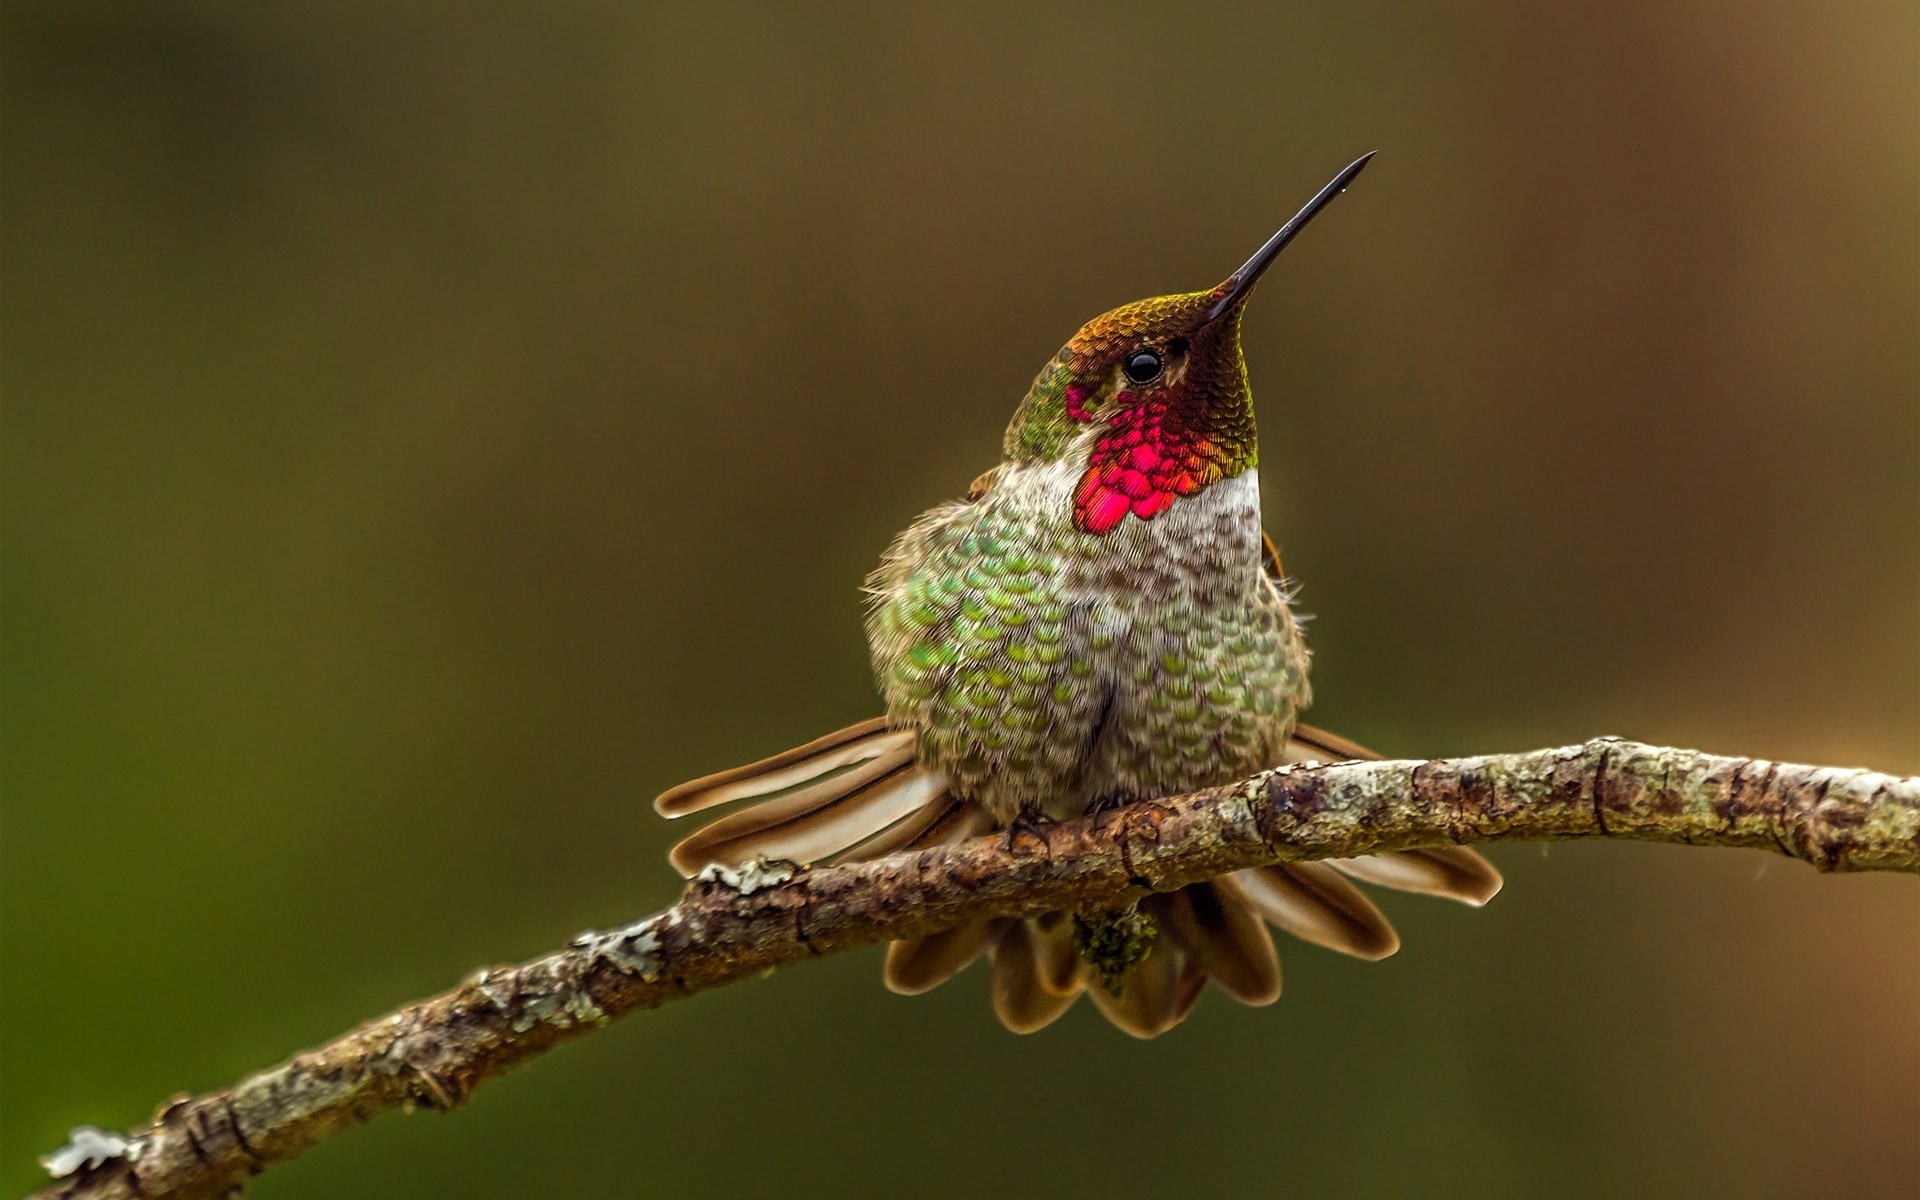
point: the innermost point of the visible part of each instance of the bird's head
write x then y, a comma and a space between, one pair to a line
1151, 400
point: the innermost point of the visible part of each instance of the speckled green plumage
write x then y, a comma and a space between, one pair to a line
1044, 667
1041, 426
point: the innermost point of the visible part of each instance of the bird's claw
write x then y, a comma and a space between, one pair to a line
1029, 825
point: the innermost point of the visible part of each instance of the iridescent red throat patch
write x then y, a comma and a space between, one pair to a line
1155, 452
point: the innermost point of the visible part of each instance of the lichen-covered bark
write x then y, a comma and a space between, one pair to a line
732, 925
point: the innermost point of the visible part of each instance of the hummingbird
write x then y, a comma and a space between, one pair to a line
1101, 621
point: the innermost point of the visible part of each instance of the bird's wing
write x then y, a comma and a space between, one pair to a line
1270, 554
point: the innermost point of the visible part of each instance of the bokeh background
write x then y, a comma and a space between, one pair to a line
428, 433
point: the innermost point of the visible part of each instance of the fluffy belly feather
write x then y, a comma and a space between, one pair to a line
1043, 668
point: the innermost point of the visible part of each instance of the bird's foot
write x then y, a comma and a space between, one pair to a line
1031, 825
1100, 806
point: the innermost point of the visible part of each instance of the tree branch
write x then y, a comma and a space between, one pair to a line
733, 925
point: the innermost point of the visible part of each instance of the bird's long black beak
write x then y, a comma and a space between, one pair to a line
1238, 284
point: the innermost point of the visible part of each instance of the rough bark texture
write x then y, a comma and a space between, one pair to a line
732, 925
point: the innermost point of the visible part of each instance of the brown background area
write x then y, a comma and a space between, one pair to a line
426, 436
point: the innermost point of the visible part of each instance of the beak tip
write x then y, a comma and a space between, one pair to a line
1352, 171
1232, 292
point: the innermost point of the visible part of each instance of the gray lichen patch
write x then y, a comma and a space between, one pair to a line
1515, 787
293, 1092
495, 985
553, 990
88, 1146
552, 994
756, 874
634, 949
581, 1008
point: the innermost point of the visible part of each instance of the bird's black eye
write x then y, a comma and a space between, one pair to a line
1143, 366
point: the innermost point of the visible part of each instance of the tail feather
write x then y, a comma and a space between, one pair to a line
1309, 743
941, 823
1449, 872
848, 810
844, 747
1021, 998
1217, 926
808, 799
1062, 971
1314, 903
1156, 994
925, 963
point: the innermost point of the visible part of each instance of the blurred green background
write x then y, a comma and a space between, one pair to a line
430, 430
